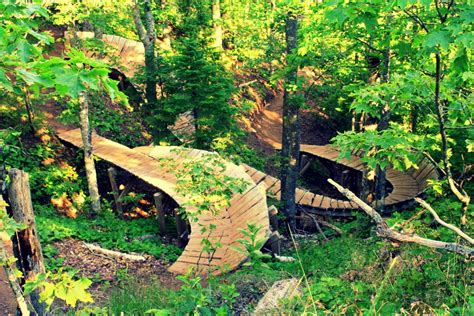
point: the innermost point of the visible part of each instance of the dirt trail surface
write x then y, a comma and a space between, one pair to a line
107, 270
268, 125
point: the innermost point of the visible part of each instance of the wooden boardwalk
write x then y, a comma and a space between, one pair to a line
406, 185
249, 207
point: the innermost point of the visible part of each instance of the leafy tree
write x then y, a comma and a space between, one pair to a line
72, 77
147, 34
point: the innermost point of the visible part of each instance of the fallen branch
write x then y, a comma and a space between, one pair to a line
315, 224
247, 83
333, 227
114, 254
384, 231
443, 223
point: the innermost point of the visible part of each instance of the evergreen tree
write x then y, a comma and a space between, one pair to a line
196, 81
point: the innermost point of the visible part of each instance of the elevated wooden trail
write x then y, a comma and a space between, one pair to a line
130, 53
249, 207
406, 185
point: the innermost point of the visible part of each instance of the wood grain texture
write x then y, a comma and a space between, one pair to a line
146, 163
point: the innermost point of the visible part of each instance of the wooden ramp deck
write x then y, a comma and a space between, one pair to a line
406, 185
249, 207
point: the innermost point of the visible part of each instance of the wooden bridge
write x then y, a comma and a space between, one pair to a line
406, 185
247, 208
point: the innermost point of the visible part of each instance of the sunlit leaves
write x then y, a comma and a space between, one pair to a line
394, 146
61, 285
439, 38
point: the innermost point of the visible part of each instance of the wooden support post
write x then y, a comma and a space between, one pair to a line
274, 242
306, 165
181, 228
158, 197
272, 213
125, 191
29, 247
345, 175
115, 190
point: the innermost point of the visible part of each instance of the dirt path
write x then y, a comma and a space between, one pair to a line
268, 125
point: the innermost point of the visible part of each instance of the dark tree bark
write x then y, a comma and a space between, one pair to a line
86, 133
380, 176
291, 130
28, 245
147, 34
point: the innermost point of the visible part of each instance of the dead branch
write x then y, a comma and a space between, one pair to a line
315, 224
333, 227
384, 231
440, 221
114, 254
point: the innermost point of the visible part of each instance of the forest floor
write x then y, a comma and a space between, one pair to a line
107, 272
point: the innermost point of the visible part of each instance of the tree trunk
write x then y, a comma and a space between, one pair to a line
440, 108
86, 133
291, 131
147, 37
380, 177
29, 250
217, 23
167, 29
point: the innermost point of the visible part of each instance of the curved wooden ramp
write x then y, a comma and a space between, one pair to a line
406, 185
246, 208
130, 53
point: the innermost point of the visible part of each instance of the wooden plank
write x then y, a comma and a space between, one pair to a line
307, 198
325, 203
317, 200
269, 181
258, 176
299, 195
251, 171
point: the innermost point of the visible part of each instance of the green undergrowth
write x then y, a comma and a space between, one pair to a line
106, 229
193, 297
360, 274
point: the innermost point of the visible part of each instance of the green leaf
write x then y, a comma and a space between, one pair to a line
5, 82
25, 50
436, 38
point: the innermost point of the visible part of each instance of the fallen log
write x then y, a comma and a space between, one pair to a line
384, 231
113, 253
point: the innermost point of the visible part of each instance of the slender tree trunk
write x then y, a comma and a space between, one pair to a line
86, 133
440, 109
167, 30
29, 109
147, 34
216, 20
380, 177
291, 131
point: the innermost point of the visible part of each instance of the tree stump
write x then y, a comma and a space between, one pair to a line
29, 254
